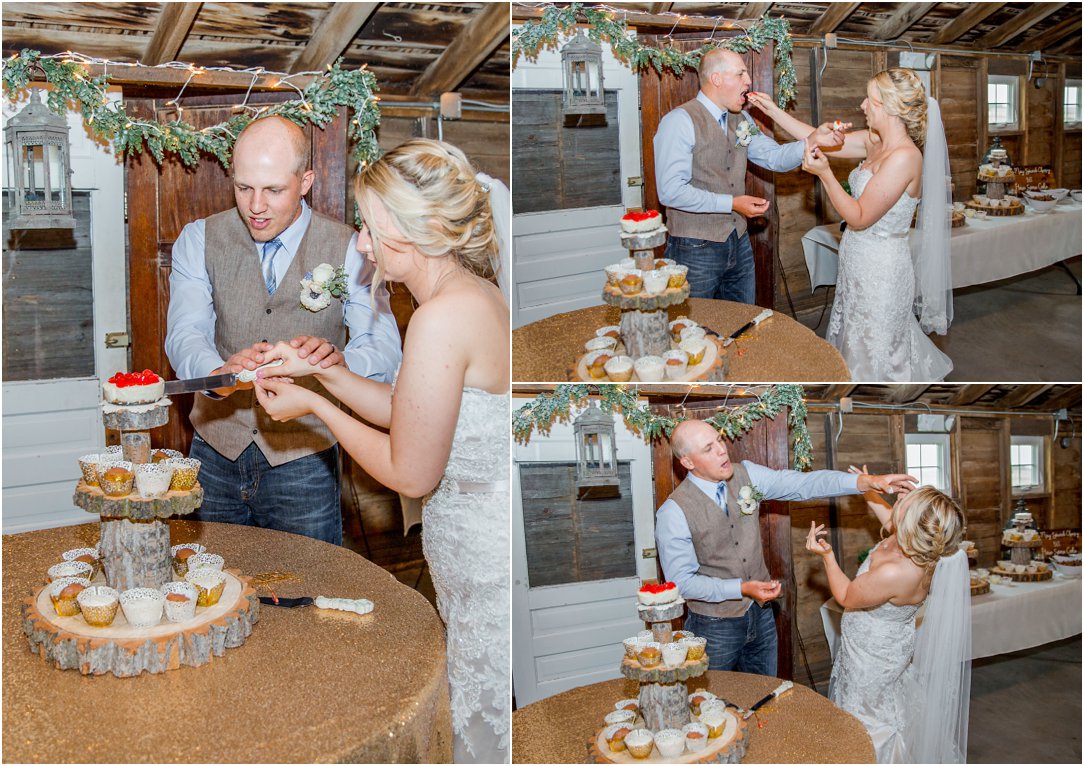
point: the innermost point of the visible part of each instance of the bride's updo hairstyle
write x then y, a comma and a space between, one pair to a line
430, 192
904, 96
932, 526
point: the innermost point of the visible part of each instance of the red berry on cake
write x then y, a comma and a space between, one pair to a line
655, 594
640, 222
133, 388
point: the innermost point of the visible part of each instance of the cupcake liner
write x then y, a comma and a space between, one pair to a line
185, 471
66, 606
70, 569
99, 605
180, 566
205, 561
142, 607
88, 465
153, 479
210, 583
179, 611
120, 487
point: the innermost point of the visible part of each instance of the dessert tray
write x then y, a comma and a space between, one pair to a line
1023, 576
713, 367
729, 747
979, 585
1015, 207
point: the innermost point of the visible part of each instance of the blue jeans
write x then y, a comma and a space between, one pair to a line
747, 644
301, 496
719, 270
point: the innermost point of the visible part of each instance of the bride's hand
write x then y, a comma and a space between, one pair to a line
814, 543
283, 400
293, 364
814, 161
763, 102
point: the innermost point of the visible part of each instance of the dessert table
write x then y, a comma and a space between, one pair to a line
778, 350
982, 250
1007, 619
309, 685
800, 727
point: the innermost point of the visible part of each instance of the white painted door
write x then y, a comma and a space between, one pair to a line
565, 636
558, 257
48, 423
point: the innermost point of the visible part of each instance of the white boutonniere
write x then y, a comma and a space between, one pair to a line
749, 498
321, 285
745, 132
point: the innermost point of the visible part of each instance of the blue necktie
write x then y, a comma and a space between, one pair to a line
722, 121
267, 263
720, 497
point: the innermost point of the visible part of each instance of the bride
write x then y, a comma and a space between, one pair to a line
880, 288
909, 688
429, 224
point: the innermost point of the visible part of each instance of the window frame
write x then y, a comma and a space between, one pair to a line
1013, 83
1073, 83
943, 441
1039, 466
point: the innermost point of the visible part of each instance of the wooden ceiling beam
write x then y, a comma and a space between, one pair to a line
1052, 35
642, 19
333, 35
661, 7
1069, 47
835, 393
964, 23
170, 32
905, 394
754, 10
119, 74
902, 20
1020, 395
968, 395
834, 15
482, 35
1019, 24
1067, 399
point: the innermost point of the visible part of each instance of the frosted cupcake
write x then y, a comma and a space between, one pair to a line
610, 330
671, 742
628, 704
645, 635
88, 466
677, 363
63, 593
680, 634
99, 604
70, 569
697, 646
152, 479
205, 561
631, 282
620, 716
142, 607
655, 282
696, 736
210, 583
693, 332
601, 343
180, 600
695, 348
649, 654
639, 743
614, 272
185, 471
619, 369
674, 653
87, 556
116, 478
676, 275
162, 455
678, 325
715, 720
615, 736
649, 369
596, 363
631, 644
181, 553
696, 699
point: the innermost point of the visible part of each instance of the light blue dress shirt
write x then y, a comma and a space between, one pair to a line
674, 142
675, 541
374, 350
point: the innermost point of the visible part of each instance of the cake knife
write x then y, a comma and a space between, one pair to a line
755, 321
780, 690
225, 380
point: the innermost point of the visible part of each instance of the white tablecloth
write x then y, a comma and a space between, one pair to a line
982, 250
1007, 619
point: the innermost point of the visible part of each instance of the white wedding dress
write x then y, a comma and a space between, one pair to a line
465, 536
872, 322
869, 674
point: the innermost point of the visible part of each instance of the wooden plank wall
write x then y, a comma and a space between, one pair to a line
836, 94
980, 446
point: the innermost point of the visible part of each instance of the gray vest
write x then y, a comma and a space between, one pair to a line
719, 166
726, 547
245, 314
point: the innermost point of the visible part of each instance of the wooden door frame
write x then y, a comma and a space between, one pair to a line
775, 531
150, 258
659, 93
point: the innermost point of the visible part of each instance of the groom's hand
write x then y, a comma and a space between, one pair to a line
749, 207
888, 483
761, 592
830, 135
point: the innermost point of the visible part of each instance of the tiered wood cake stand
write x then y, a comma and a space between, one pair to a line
1025, 576
664, 702
135, 553
995, 190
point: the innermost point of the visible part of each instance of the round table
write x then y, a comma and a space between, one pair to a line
777, 350
309, 685
801, 727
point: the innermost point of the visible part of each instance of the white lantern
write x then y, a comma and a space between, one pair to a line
584, 102
39, 168
596, 455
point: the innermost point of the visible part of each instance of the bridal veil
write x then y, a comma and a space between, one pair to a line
933, 271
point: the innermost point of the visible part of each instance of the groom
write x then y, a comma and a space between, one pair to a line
701, 148
709, 546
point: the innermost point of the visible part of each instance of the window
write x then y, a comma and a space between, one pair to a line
1001, 102
1026, 463
1072, 104
928, 460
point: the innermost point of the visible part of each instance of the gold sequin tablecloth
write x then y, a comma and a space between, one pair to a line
777, 350
309, 685
801, 727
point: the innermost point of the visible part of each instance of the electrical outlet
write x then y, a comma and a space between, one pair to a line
1036, 56
830, 40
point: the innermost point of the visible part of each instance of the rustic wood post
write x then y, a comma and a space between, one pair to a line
135, 554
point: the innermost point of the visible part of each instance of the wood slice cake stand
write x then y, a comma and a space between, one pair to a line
1021, 550
71, 644
645, 325
1024, 576
1016, 208
979, 587
712, 368
729, 747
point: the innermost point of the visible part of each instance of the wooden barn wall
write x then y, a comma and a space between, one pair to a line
980, 447
960, 80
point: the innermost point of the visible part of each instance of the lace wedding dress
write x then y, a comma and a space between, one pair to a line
869, 675
465, 536
872, 323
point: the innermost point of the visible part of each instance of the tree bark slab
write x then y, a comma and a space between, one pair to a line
730, 747
641, 301
135, 554
645, 333
136, 507
665, 705
660, 674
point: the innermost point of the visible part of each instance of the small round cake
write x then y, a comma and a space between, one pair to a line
133, 388
653, 595
638, 223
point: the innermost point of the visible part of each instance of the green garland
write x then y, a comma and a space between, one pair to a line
547, 408
318, 105
544, 32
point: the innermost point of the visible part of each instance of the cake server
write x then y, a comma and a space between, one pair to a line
225, 380
779, 691
748, 325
